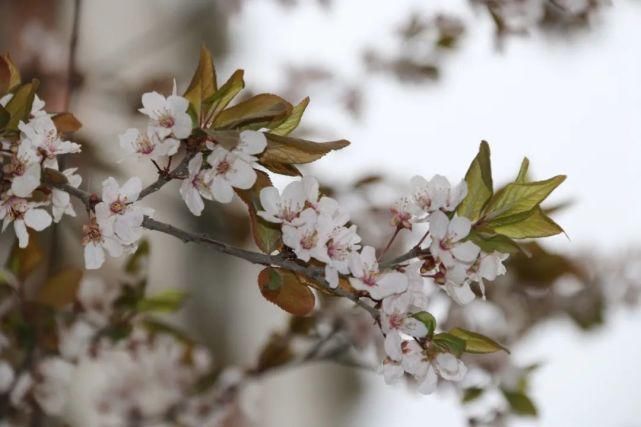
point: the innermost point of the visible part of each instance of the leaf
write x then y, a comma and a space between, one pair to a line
288, 150
477, 343
283, 288
66, 122
534, 224
520, 403
19, 106
428, 320
479, 184
450, 343
4, 117
472, 393
282, 168
517, 198
9, 74
293, 120
138, 261
22, 262
521, 178
257, 110
223, 96
203, 83
494, 242
168, 301
61, 289
267, 235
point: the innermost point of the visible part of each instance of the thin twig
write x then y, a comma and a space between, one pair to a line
73, 48
164, 178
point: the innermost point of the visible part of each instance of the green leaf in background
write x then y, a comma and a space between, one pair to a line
293, 120
137, 263
518, 198
168, 301
4, 117
258, 111
520, 403
490, 242
471, 393
479, 184
450, 343
534, 224
22, 262
203, 83
477, 343
223, 96
267, 235
61, 289
428, 320
284, 288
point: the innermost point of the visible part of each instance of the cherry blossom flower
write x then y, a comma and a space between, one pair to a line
427, 367
341, 243
308, 239
25, 170
396, 323
437, 193
196, 186
446, 239
96, 240
51, 390
488, 267
42, 135
118, 214
286, 207
7, 376
367, 277
60, 200
415, 298
148, 145
250, 144
404, 213
168, 115
229, 171
23, 214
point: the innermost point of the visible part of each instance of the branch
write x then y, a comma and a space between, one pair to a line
164, 178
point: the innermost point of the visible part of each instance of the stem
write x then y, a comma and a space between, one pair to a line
389, 243
73, 47
164, 178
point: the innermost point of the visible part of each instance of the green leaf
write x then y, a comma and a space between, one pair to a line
521, 178
428, 320
9, 74
293, 120
479, 184
168, 301
288, 150
477, 343
450, 343
258, 111
267, 235
284, 288
472, 393
138, 261
490, 242
19, 107
61, 289
534, 224
517, 198
223, 96
4, 117
520, 403
22, 262
203, 83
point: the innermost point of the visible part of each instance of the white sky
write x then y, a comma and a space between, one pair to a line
572, 108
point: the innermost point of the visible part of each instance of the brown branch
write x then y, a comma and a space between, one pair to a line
164, 178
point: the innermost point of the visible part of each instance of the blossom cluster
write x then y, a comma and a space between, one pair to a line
23, 161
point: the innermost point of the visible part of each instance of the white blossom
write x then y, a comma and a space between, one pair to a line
148, 145
51, 390
42, 135
196, 186
367, 277
341, 243
60, 200
168, 115
96, 241
447, 236
7, 375
437, 193
308, 239
286, 207
426, 369
23, 214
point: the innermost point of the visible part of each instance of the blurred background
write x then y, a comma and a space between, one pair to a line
414, 85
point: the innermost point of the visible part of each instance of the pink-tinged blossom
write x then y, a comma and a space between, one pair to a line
308, 239
367, 277
23, 214
60, 200
196, 186
229, 171
447, 235
342, 242
437, 194
25, 170
169, 115
148, 145
96, 241
41, 134
426, 367
286, 207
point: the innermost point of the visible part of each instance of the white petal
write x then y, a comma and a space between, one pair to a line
438, 225
242, 175
152, 103
459, 228
466, 252
21, 232
461, 294
252, 142
94, 256
222, 190
429, 382
38, 219
131, 189
331, 275
393, 345
391, 283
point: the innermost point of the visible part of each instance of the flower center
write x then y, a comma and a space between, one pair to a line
144, 145
117, 207
91, 232
166, 121
309, 240
223, 167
